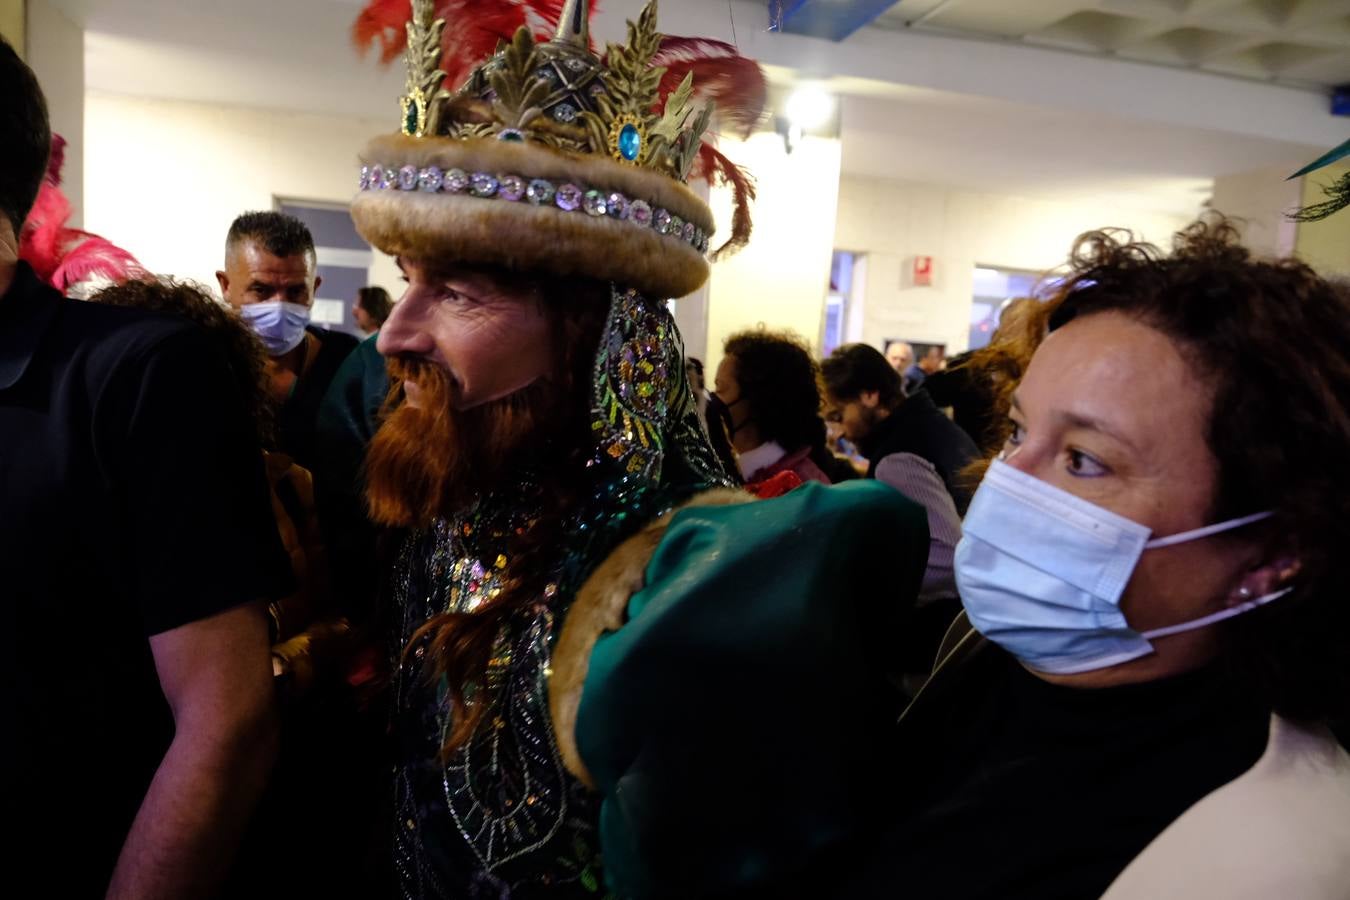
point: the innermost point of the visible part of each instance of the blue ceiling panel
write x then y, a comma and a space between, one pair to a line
833, 20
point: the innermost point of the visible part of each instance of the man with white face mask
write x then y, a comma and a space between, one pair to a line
1140, 696
271, 276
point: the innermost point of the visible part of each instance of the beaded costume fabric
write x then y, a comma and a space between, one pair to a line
503, 818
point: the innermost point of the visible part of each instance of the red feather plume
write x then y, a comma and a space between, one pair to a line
382, 22
474, 28
717, 169
736, 84
65, 257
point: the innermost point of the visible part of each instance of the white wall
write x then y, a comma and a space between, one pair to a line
891, 222
1325, 245
781, 277
11, 24
165, 179
56, 53
1258, 202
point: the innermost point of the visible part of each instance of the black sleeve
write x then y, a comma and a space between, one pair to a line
203, 538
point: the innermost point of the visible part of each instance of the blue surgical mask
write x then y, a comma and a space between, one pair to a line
1041, 573
280, 325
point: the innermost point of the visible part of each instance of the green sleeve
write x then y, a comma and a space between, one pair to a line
737, 723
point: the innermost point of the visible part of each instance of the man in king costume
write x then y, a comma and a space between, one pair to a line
612, 674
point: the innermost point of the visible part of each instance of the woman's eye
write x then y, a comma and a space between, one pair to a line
1083, 465
1017, 435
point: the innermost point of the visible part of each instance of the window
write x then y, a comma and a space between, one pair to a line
836, 301
993, 288
344, 261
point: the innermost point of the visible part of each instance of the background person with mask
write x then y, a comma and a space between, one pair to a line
1152, 568
767, 382
270, 276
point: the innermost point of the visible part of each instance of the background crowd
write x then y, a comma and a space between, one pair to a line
1112, 628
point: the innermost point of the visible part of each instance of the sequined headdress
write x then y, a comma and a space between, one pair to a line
547, 159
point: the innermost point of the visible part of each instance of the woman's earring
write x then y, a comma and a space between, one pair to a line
1245, 593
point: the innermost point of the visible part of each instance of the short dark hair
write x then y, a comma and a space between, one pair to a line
376, 302
277, 233
26, 135
856, 368
779, 382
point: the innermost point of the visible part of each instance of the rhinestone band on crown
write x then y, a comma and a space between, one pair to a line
566, 197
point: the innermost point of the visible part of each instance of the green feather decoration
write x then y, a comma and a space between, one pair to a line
1323, 161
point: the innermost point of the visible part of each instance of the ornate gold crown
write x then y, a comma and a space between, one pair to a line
545, 159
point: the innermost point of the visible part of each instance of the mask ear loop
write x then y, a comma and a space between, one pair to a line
1216, 617
1217, 528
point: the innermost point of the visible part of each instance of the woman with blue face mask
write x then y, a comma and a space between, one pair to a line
1139, 697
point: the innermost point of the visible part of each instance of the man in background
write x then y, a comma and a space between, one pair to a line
913, 447
270, 276
900, 355
928, 364
371, 308
137, 553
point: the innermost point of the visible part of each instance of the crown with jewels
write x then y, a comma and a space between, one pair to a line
547, 159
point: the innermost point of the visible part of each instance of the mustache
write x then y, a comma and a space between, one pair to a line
429, 460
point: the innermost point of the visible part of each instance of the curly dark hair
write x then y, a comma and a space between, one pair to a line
245, 353
1272, 338
780, 383
26, 135
277, 233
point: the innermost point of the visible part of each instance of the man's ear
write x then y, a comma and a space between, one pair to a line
224, 281
870, 399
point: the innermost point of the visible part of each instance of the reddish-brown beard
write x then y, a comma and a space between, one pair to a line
429, 461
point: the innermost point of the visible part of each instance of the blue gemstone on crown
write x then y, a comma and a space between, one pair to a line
630, 142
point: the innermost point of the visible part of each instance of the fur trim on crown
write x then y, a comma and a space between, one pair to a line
602, 605
523, 236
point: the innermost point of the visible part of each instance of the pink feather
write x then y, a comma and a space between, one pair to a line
64, 257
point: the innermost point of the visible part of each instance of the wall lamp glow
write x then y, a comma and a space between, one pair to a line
808, 108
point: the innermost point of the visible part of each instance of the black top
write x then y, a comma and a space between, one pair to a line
971, 396
296, 425
917, 426
1031, 790
132, 501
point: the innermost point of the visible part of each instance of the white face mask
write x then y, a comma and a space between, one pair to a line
1041, 573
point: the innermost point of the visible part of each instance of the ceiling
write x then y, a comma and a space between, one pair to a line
997, 147
296, 55
1297, 42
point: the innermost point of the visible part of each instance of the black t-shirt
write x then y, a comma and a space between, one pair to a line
132, 501
1033, 790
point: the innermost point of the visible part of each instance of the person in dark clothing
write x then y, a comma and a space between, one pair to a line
928, 364
137, 553
866, 397
270, 276
911, 446
1140, 698
971, 388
